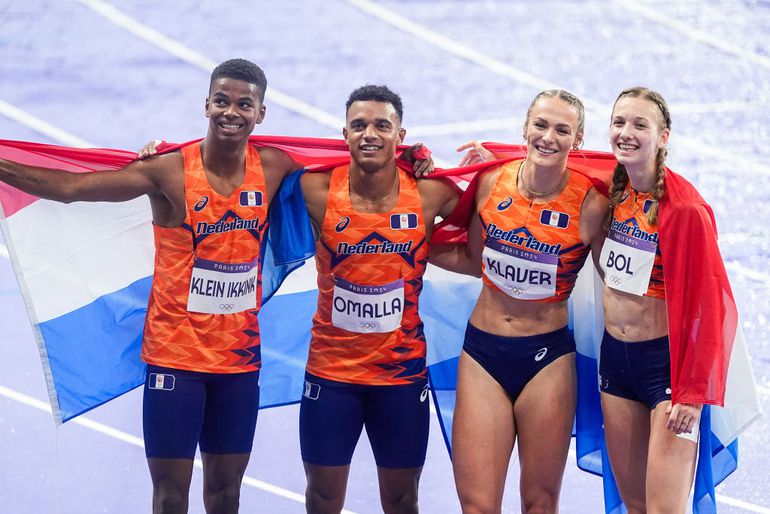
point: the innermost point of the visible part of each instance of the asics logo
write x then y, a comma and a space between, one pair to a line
505, 203
424, 394
343, 224
540, 354
198, 207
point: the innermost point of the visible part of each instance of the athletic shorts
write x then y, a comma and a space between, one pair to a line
185, 408
638, 371
332, 415
514, 361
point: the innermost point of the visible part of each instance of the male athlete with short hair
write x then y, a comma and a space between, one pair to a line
209, 204
366, 365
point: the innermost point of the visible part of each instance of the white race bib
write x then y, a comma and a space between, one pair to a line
520, 273
222, 288
627, 262
367, 309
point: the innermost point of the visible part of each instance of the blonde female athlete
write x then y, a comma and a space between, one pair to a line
535, 222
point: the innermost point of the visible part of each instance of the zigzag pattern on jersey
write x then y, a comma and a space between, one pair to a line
392, 358
510, 211
632, 210
212, 343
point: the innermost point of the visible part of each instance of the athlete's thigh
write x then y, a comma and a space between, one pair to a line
397, 419
230, 417
173, 407
627, 431
544, 414
331, 417
670, 465
483, 434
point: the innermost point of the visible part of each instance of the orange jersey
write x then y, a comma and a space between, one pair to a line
533, 250
629, 222
206, 290
370, 266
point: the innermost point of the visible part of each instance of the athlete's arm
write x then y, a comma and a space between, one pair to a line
276, 164
475, 153
592, 216
315, 189
136, 179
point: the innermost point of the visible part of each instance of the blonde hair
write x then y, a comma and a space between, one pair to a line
620, 176
566, 96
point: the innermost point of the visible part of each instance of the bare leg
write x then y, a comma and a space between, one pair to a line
670, 466
170, 485
483, 436
222, 476
398, 489
627, 431
544, 413
326, 486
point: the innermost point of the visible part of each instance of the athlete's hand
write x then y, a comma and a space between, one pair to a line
419, 156
149, 149
683, 417
475, 154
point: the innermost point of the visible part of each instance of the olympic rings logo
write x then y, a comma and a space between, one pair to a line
515, 291
367, 325
615, 279
226, 306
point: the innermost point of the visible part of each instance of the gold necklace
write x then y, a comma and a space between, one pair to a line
379, 200
537, 194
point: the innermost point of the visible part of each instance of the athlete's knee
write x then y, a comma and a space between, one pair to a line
400, 502
168, 500
222, 498
540, 501
323, 500
477, 504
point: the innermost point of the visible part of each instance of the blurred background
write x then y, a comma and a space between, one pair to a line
117, 74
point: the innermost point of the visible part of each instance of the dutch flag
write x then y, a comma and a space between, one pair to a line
251, 198
402, 221
554, 218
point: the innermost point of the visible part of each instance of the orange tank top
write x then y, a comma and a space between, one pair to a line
533, 250
634, 242
206, 290
370, 266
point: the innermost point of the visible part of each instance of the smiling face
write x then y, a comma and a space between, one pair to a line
373, 132
637, 132
233, 108
551, 131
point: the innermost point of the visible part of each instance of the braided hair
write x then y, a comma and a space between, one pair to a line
620, 176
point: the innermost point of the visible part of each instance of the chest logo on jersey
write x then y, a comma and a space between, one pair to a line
554, 218
201, 204
647, 205
523, 238
343, 224
505, 203
631, 228
403, 221
251, 199
374, 243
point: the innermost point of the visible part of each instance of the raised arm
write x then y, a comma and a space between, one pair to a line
136, 179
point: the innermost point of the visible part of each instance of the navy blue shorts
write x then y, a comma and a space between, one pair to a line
332, 415
638, 371
185, 408
514, 361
